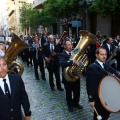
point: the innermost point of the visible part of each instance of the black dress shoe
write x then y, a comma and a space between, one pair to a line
70, 109
60, 89
53, 89
44, 78
37, 78
78, 106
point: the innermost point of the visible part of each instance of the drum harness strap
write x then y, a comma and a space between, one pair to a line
101, 68
108, 71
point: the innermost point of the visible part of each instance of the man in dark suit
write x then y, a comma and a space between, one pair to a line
109, 46
52, 63
116, 40
70, 87
95, 73
12, 95
43, 39
30, 42
26, 51
37, 54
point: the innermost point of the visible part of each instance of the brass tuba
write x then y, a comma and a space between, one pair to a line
15, 47
72, 73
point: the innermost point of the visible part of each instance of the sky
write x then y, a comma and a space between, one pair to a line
2, 3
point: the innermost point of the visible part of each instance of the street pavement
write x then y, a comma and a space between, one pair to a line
51, 105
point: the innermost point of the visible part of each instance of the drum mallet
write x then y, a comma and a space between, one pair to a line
99, 117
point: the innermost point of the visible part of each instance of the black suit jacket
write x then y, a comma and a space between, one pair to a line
18, 97
116, 43
95, 73
40, 54
43, 40
108, 53
47, 53
65, 62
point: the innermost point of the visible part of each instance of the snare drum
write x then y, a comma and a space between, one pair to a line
109, 93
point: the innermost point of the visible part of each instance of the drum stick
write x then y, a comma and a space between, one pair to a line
95, 111
98, 116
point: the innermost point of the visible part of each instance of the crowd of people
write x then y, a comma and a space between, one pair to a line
41, 54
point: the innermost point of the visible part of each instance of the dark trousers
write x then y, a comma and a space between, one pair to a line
54, 69
30, 58
72, 88
22, 56
39, 63
26, 58
101, 110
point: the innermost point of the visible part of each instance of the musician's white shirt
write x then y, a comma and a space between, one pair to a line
108, 46
51, 46
101, 63
2, 83
67, 52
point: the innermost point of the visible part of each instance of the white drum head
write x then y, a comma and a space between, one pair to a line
109, 93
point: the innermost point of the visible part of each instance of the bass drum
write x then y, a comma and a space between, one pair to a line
109, 93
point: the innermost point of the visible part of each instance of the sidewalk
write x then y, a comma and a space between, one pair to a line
51, 105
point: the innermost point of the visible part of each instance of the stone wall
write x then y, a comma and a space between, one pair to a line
104, 25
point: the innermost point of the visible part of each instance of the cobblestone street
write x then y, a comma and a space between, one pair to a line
51, 105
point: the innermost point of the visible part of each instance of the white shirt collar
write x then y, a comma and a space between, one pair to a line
52, 44
101, 63
2, 83
6, 77
67, 52
108, 46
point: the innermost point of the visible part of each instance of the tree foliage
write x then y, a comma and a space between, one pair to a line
106, 7
59, 9
52, 10
29, 17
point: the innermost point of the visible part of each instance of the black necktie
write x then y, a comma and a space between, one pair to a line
110, 49
7, 92
105, 67
69, 54
51, 48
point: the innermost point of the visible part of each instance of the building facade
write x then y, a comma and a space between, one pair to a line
3, 20
12, 7
37, 4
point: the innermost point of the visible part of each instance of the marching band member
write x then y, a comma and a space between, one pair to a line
70, 87
53, 65
116, 40
109, 46
12, 95
95, 73
38, 60
26, 51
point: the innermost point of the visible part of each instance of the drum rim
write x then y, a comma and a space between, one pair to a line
100, 95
